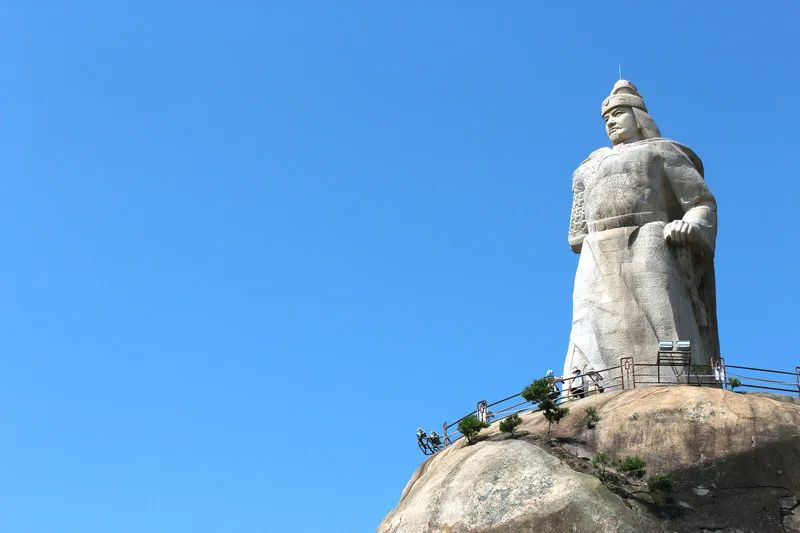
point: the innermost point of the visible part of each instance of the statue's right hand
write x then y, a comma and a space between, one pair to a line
680, 232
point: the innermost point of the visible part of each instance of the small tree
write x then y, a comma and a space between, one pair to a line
470, 426
540, 390
555, 415
734, 382
590, 417
544, 393
510, 423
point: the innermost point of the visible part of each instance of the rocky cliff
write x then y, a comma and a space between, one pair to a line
734, 461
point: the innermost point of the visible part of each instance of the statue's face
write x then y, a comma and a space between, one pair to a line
621, 125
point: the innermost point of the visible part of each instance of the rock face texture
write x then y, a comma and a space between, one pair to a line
508, 486
734, 459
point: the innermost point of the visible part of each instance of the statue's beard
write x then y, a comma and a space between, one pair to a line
626, 135
619, 136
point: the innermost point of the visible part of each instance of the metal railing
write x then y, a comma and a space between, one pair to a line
794, 384
670, 371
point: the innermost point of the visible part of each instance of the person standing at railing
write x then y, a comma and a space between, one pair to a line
422, 439
719, 371
596, 379
556, 381
577, 386
484, 415
435, 441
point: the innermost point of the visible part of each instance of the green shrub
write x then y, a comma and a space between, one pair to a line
660, 482
469, 426
510, 423
632, 465
601, 460
734, 382
543, 393
590, 417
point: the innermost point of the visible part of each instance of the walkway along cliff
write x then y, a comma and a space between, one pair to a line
733, 461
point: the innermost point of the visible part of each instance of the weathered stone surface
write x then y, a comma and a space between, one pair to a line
682, 426
735, 459
506, 486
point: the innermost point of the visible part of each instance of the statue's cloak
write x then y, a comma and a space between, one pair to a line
633, 288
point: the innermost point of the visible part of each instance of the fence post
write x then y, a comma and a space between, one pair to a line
797, 374
627, 368
445, 439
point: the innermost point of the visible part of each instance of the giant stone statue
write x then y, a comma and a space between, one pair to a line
644, 223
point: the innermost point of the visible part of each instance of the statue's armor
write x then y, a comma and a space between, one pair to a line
630, 291
626, 182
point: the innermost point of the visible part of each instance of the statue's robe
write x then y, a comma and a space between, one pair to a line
632, 287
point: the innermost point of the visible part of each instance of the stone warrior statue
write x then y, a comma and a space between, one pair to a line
644, 223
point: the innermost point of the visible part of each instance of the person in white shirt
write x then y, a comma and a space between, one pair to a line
577, 386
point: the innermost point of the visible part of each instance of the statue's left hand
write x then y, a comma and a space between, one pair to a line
680, 232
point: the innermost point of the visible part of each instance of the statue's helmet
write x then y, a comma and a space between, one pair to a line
625, 94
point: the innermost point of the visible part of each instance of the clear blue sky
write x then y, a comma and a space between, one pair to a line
248, 247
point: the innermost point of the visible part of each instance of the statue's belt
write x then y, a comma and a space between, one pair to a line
624, 221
